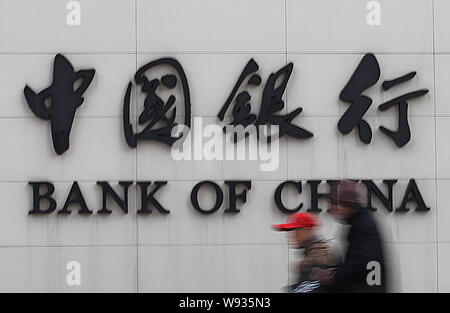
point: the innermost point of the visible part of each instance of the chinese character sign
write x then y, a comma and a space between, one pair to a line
162, 111
271, 103
366, 75
158, 115
63, 100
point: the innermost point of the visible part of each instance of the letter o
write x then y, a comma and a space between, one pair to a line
219, 197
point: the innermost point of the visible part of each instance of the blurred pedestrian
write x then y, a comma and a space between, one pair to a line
316, 252
363, 268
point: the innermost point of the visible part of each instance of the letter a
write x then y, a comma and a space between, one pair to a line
374, 16
73, 278
74, 16
374, 276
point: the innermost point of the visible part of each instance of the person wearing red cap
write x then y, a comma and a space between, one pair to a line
316, 252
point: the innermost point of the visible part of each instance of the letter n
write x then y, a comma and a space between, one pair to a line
107, 190
373, 189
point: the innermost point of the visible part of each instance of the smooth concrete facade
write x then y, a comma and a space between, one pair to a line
213, 40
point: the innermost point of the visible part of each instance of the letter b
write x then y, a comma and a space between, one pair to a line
37, 197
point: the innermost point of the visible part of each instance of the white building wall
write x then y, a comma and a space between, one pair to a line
213, 40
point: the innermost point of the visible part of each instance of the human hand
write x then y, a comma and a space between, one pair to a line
324, 276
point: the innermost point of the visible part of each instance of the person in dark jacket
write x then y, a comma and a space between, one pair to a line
363, 268
316, 252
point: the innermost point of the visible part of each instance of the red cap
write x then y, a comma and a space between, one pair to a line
299, 220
